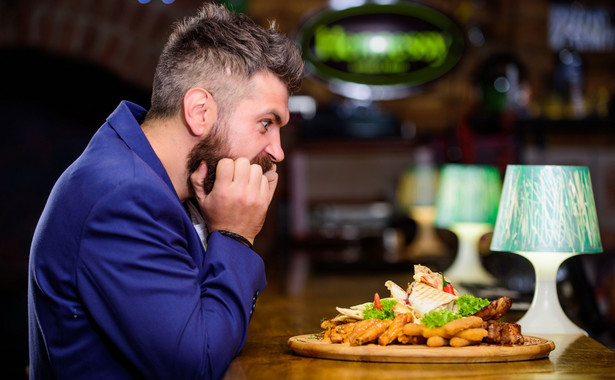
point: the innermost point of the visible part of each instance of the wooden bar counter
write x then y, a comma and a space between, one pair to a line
297, 307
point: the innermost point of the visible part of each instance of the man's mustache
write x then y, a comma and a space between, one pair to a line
265, 162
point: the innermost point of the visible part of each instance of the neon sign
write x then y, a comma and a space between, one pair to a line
379, 51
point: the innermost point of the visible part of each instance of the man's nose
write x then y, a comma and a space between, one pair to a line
274, 149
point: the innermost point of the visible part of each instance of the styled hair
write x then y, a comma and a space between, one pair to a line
220, 51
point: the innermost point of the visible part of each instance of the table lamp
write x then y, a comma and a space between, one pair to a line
547, 214
467, 204
416, 196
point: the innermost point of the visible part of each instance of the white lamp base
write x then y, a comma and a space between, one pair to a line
467, 267
545, 315
426, 241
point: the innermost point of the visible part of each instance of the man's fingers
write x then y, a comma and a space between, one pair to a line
242, 171
272, 174
271, 181
197, 179
225, 170
240, 197
256, 174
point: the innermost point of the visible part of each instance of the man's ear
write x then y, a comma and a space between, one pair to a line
200, 111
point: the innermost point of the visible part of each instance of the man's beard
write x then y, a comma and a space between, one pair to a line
211, 150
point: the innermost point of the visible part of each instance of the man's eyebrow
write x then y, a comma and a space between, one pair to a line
276, 116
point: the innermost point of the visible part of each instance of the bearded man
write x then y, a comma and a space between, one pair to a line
142, 264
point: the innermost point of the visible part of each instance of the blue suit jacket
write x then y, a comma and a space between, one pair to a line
120, 285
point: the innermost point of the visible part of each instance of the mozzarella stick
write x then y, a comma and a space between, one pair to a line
413, 329
453, 327
429, 332
476, 334
436, 341
459, 342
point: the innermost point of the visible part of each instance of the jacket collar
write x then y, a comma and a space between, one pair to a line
126, 121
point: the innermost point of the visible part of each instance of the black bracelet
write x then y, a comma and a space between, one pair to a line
237, 237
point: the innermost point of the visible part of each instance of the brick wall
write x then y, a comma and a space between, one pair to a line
123, 36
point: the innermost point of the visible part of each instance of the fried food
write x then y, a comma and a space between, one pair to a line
340, 331
474, 334
394, 330
413, 329
436, 341
460, 342
326, 324
411, 339
429, 332
458, 333
370, 334
402, 329
495, 310
358, 329
453, 327
503, 332
429, 292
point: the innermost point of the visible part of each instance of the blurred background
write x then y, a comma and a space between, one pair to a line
534, 84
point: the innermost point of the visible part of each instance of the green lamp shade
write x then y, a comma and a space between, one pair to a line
417, 186
467, 194
547, 208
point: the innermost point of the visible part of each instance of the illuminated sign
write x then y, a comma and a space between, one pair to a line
379, 51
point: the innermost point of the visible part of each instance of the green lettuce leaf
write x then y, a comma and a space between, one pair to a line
439, 318
386, 313
469, 305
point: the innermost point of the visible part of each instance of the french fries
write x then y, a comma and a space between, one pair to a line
461, 332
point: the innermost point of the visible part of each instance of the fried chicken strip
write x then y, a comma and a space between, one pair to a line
394, 330
411, 339
359, 328
339, 332
371, 333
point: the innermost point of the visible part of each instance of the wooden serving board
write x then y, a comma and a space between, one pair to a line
533, 348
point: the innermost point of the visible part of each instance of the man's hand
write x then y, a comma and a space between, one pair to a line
240, 197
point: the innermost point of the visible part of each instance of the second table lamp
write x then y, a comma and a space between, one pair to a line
467, 204
547, 214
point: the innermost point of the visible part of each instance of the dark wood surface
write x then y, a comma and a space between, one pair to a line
297, 307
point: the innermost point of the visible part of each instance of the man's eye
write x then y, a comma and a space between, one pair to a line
266, 124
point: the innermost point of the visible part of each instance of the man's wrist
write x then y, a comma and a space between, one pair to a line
237, 237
